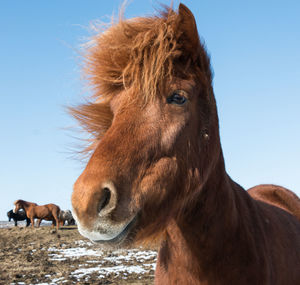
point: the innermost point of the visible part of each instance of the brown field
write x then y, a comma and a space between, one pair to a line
43, 255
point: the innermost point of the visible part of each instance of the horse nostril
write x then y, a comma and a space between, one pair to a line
104, 201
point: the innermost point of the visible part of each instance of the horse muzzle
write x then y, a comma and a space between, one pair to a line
94, 212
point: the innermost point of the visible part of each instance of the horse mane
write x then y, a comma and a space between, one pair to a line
143, 54
19, 202
24, 202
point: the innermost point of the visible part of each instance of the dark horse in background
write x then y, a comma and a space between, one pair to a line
48, 212
157, 169
19, 216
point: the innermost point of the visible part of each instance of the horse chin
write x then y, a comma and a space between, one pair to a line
121, 238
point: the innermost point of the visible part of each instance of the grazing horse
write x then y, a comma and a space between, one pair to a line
66, 216
19, 216
48, 212
156, 170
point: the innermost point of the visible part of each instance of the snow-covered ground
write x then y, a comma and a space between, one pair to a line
119, 263
47, 256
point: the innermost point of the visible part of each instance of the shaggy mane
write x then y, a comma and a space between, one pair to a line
140, 53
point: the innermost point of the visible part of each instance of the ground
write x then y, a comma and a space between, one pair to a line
46, 256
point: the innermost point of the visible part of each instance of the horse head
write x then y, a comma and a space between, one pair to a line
10, 215
155, 128
19, 204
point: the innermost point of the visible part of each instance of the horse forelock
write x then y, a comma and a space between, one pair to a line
136, 52
143, 54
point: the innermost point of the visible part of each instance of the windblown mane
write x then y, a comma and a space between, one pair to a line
23, 202
19, 202
140, 53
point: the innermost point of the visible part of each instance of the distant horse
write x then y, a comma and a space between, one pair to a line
66, 216
19, 216
48, 212
277, 196
157, 170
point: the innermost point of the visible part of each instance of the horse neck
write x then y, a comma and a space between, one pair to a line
216, 204
208, 233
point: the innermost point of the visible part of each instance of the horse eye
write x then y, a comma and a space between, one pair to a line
176, 98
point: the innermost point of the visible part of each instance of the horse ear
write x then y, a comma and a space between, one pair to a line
189, 29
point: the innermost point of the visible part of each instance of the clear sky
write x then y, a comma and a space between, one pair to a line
255, 52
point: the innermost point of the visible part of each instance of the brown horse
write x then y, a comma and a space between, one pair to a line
277, 196
157, 169
48, 212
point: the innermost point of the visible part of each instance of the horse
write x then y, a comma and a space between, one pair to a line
48, 212
19, 216
66, 216
278, 196
156, 170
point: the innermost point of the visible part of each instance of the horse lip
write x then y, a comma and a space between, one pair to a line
122, 235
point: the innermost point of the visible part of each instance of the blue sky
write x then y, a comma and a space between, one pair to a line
254, 48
